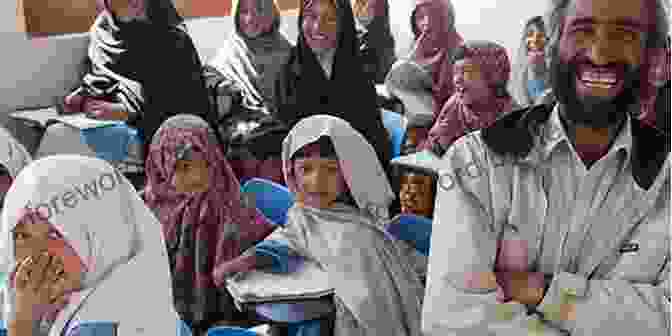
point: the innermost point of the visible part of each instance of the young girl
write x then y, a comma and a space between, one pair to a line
342, 196
325, 74
82, 247
142, 67
530, 74
481, 75
195, 195
243, 74
426, 70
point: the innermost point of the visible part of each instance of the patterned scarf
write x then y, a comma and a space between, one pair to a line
456, 118
434, 53
202, 229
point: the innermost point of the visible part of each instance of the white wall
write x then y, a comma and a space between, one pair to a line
36, 71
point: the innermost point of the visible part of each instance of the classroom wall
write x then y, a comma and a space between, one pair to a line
35, 72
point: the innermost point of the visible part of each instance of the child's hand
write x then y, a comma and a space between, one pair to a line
39, 283
242, 263
73, 103
104, 110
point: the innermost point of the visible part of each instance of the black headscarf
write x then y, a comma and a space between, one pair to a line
349, 94
151, 66
663, 109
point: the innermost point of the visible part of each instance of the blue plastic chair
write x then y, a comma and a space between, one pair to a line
183, 329
272, 199
230, 331
94, 328
394, 123
414, 229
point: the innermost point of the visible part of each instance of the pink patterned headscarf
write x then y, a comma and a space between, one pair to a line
220, 217
456, 118
434, 53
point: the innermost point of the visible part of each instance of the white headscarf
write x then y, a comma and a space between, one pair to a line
12, 153
362, 172
127, 277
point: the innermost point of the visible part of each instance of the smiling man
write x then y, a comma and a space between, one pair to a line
561, 223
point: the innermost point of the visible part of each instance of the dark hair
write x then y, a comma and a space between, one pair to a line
327, 150
536, 22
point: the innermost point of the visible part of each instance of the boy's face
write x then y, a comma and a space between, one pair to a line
416, 195
319, 180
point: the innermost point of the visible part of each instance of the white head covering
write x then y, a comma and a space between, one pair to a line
363, 173
12, 153
99, 213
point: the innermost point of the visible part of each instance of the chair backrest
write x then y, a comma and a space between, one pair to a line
230, 331
414, 229
94, 328
272, 199
396, 128
183, 329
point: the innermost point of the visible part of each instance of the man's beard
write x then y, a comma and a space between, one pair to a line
595, 112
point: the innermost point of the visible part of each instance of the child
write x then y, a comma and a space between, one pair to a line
342, 196
195, 195
82, 247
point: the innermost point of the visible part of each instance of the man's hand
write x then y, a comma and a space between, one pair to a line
522, 287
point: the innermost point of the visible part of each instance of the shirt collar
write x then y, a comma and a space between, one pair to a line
554, 133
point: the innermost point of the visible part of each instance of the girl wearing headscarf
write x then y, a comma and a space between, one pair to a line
196, 197
79, 243
376, 43
325, 75
427, 70
142, 67
482, 71
242, 75
337, 221
530, 75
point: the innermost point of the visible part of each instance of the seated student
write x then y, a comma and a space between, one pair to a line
342, 199
530, 74
418, 175
142, 68
324, 75
376, 43
196, 197
82, 247
242, 76
426, 70
481, 76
